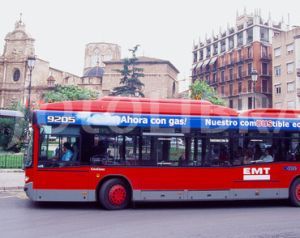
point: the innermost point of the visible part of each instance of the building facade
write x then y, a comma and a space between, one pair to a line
160, 75
286, 69
226, 62
14, 74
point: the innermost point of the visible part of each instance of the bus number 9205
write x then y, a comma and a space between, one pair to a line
64, 119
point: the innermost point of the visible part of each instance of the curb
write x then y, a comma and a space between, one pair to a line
11, 171
11, 189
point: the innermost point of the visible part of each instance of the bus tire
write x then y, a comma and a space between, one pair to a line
114, 194
295, 193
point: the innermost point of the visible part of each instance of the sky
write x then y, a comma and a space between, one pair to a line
165, 29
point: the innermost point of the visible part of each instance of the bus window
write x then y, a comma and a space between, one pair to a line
57, 150
218, 152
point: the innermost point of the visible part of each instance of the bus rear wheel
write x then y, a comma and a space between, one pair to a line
295, 193
114, 194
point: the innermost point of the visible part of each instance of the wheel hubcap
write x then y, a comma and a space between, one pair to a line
298, 192
117, 195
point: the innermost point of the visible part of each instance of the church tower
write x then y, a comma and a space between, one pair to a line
19, 45
96, 53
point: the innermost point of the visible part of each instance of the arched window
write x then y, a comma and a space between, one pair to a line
16, 75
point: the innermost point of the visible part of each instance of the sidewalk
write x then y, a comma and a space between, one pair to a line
11, 179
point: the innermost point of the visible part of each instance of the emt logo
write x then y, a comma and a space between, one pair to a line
256, 174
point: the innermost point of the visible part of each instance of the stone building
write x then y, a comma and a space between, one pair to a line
103, 59
160, 77
286, 68
226, 61
100, 61
14, 74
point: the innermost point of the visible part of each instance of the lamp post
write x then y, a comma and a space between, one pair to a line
254, 75
30, 66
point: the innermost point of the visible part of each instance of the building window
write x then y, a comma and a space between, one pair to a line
222, 76
264, 86
230, 41
249, 69
214, 77
264, 67
290, 68
240, 71
240, 87
240, 104
249, 102
264, 51
222, 91
231, 58
195, 57
240, 39
223, 60
249, 52
250, 86
231, 74
278, 89
230, 89
264, 34
290, 87
277, 52
231, 103
250, 35
223, 45
240, 55
201, 55
208, 52
291, 105
16, 75
264, 102
215, 49
290, 48
277, 71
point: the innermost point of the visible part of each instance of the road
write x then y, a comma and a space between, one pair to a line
21, 218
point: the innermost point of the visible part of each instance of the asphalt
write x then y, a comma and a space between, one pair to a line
11, 179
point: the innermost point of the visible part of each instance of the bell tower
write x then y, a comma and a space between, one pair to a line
18, 46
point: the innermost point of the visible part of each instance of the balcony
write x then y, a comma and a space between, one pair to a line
230, 63
249, 57
266, 57
240, 60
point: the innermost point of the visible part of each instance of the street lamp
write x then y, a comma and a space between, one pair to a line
30, 66
254, 75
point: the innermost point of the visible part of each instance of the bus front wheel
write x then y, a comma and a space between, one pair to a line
114, 194
295, 193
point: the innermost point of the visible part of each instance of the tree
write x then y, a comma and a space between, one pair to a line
69, 93
131, 84
201, 90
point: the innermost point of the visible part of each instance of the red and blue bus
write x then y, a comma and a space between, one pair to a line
125, 150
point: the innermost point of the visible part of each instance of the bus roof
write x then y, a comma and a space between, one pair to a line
143, 106
270, 112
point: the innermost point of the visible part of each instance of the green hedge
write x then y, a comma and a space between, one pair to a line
11, 161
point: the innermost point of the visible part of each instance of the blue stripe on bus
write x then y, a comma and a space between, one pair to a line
166, 121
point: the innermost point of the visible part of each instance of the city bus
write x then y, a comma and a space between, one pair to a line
124, 150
